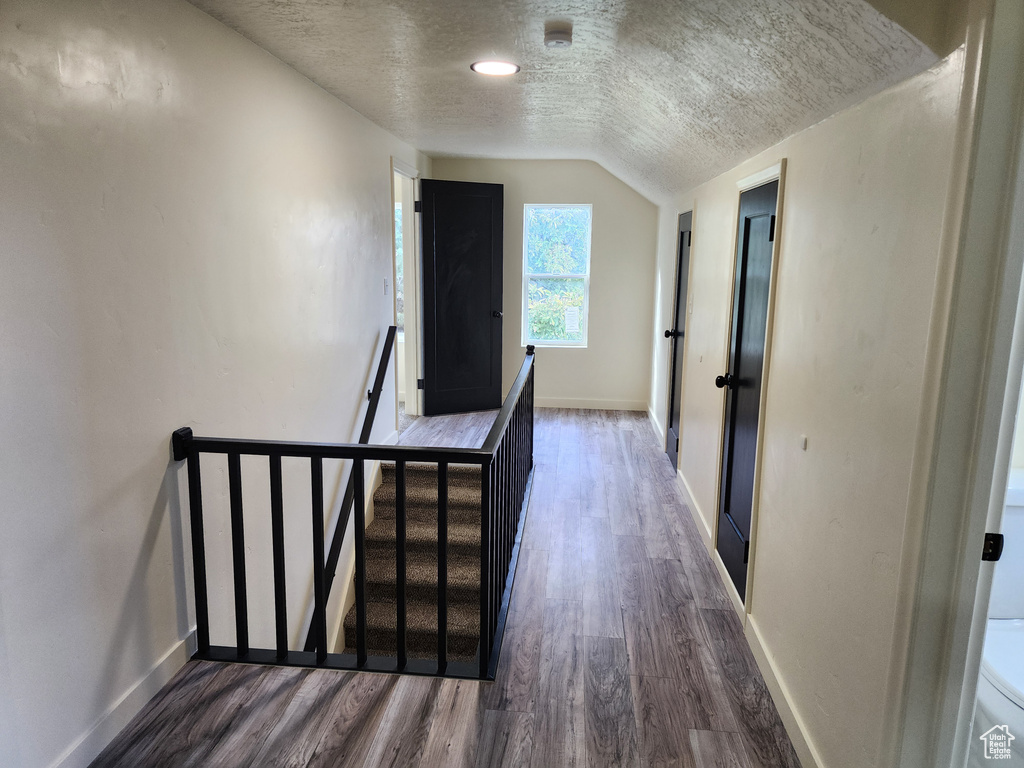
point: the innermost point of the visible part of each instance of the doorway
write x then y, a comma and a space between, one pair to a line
462, 301
676, 335
408, 350
997, 728
742, 381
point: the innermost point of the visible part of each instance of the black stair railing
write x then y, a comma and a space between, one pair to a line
334, 554
505, 490
506, 464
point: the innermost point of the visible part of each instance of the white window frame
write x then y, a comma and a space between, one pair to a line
525, 331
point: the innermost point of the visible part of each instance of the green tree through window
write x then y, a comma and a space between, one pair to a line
556, 274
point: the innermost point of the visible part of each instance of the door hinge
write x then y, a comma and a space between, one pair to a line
993, 548
420, 383
771, 230
746, 552
417, 206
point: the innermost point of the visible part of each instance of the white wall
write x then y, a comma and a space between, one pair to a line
190, 234
864, 199
1017, 461
614, 370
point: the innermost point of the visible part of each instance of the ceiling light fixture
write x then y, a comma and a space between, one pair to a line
495, 68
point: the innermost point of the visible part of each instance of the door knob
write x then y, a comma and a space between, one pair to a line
496, 313
672, 333
725, 381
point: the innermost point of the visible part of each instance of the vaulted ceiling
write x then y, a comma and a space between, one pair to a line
663, 93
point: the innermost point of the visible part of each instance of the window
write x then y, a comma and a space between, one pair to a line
556, 274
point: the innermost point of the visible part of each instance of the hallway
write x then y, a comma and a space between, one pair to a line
621, 649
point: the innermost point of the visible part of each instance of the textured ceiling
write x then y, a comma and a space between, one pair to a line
663, 93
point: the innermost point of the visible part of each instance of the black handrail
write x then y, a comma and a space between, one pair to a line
505, 485
334, 554
506, 462
504, 416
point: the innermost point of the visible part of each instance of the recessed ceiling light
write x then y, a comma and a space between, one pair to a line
496, 68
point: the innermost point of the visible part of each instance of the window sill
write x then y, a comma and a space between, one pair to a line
552, 345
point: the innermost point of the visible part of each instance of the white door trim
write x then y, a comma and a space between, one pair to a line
413, 354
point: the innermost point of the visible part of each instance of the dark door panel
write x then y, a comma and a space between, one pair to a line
743, 379
462, 279
675, 335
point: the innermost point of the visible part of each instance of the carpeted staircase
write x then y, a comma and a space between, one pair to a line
421, 565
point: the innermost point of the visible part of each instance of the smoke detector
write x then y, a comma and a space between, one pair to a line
558, 34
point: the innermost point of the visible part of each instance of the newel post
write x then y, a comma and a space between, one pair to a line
181, 443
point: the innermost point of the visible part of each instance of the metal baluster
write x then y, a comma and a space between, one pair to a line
513, 470
495, 582
360, 534
485, 569
442, 567
400, 575
277, 536
238, 555
195, 506
316, 472
499, 518
533, 414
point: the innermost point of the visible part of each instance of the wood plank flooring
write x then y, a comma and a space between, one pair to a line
457, 430
621, 647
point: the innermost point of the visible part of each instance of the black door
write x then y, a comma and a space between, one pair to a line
675, 336
462, 238
743, 379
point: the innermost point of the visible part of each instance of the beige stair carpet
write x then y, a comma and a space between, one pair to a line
421, 565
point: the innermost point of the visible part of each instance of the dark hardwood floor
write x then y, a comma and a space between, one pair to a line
621, 648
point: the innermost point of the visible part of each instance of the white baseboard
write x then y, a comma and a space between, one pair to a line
706, 534
658, 429
795, 727
391, 439
730, 588
597, 405
85, 749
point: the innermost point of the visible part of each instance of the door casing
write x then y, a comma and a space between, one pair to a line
404, 179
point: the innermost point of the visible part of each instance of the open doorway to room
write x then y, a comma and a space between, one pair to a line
990, 721
407, 296
997, 728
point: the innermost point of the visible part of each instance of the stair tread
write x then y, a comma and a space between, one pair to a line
421, 493
421, 533
421, 583
463, 618
428, 467
421, 568
421, 629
